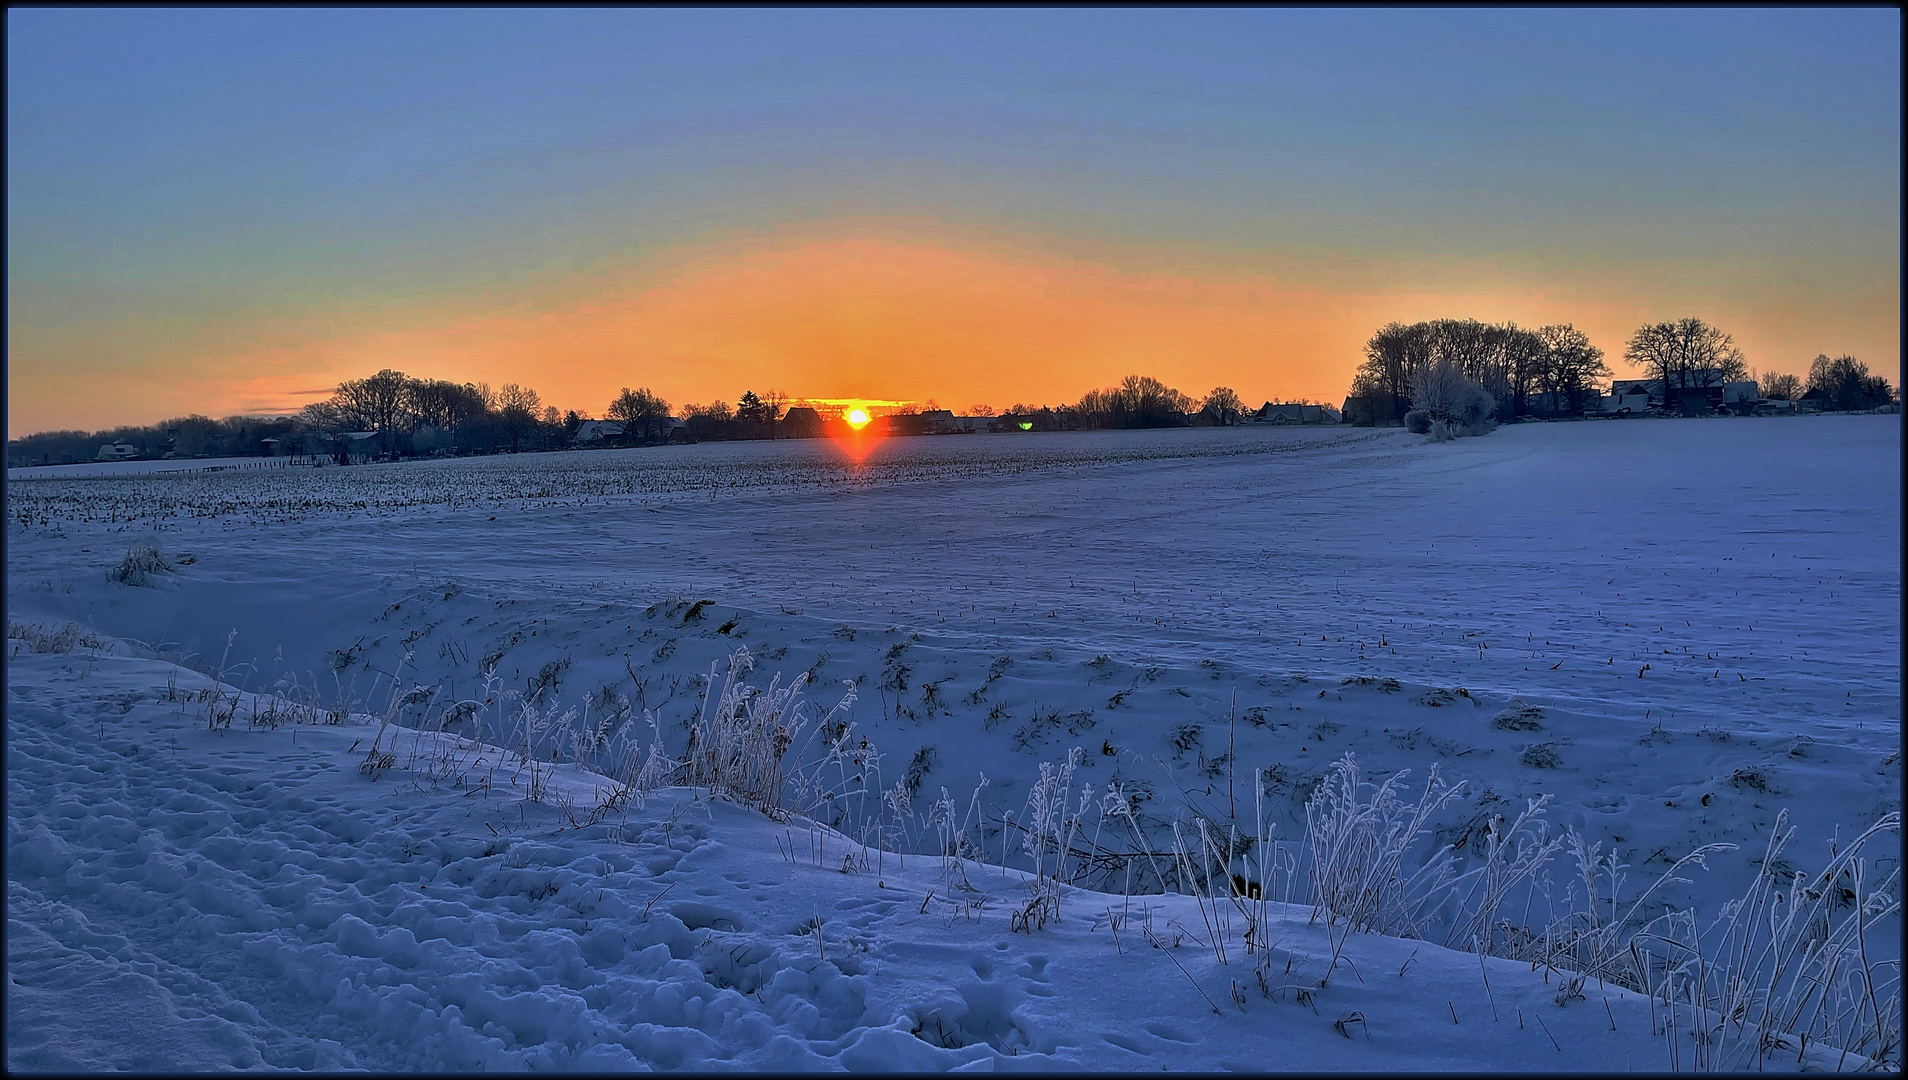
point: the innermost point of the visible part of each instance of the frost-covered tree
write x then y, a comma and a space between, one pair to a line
1446, 403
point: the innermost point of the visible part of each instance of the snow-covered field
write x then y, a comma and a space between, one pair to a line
1676, 629
143, 468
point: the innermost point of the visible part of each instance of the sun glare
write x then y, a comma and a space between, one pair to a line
858, 418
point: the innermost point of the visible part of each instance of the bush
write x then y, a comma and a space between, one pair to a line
142, 561
1451, 404
1418, 422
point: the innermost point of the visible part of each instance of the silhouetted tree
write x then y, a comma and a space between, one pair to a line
1571, 368
1847, 384
1223, 404
1780, 387
518, 407
1138, 401
644, 415
1688, 354
379, 403
1393, 357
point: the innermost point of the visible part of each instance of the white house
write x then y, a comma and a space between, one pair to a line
117, 451
596, 431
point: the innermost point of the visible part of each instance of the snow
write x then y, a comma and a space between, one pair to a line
145, 467
1160, 599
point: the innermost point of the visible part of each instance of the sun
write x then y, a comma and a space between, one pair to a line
858, 418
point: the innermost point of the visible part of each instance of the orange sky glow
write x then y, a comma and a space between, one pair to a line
878, 314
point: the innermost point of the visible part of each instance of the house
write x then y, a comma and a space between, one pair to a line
1215, 417
1622, 402
1816, 400
939, 422
1703, 392
1555, 403
1295, 413
117, 451
801, 422
1742, 398
597, 432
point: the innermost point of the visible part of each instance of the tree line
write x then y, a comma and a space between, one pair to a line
407, 416
1843, 384
1137, 401
1425, 367
1556, 371
1511, 363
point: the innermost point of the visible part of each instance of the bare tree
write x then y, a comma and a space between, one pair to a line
444, 405
519, 406
643, 414
774, 402
1526, 360
1393, 357
1143, 401
1685, 355
1780, 387
1571, 366
715, 410
1847, 383
1224, 404
379, 403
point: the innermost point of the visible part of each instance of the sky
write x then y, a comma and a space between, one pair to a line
225, 211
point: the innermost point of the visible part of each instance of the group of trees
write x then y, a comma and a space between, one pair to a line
1139, 401
1555, 370
1547, 370
1843, 384
644, 415
1686, 355
184, 436
421, 416
1456, 374
1447, 403
407, 416
753, 416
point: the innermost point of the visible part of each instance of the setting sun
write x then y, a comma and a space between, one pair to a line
858, 418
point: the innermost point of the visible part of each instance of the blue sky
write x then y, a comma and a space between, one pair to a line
188, 188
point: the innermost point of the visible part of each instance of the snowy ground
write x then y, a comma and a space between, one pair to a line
1187, 606
142, 468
